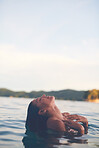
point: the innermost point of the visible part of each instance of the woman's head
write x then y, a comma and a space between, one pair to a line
38, 112
44, 101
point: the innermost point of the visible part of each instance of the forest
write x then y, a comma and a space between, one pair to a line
67, 94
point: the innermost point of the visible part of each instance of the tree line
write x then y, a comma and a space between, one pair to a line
67, 94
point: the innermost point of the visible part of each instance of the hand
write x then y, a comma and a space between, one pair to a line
74, 125
79, 118
65, 115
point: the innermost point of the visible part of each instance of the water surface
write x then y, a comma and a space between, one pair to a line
12, 125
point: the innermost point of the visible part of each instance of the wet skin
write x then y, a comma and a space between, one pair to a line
59, 121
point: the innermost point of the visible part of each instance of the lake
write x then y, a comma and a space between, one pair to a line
13, 113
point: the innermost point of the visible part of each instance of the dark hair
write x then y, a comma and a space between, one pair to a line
34, 121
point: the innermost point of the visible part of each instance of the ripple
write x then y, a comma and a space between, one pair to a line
93, 125
6, 133
11, 133
5, 139
9, 126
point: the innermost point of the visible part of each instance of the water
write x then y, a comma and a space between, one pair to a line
12, 125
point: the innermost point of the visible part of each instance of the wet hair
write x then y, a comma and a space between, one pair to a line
34, 121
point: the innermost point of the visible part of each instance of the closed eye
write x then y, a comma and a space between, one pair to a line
40, 99
36, 100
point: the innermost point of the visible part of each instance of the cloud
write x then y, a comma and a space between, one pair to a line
81, 3
24, 69
10, 56
28, 70
72, 56
86, 52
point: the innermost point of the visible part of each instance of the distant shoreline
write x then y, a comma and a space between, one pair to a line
67, 94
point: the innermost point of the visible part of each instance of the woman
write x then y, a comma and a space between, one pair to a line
43, 114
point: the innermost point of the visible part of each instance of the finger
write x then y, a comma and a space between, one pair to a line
78, 121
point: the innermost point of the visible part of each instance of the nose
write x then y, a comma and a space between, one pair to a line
44, 95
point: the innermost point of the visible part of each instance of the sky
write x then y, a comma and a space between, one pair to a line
49, 44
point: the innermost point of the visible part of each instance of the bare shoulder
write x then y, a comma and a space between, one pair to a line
56, 124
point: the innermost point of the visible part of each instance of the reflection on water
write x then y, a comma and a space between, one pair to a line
12, 126
50, 140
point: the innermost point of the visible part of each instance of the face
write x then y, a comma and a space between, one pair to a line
47, 103
44, 101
